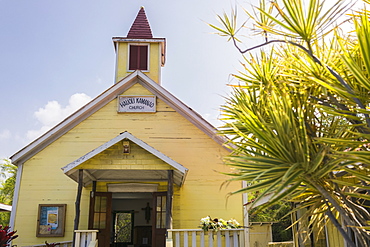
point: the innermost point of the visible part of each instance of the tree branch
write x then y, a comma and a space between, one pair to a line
338, 226
342, 107
360, 233
316, 60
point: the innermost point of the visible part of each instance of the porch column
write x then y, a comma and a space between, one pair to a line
77, 204
169, 199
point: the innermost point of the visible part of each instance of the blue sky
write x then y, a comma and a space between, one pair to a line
56, 55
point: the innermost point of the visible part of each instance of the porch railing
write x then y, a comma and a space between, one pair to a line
86, 238
197, 237
60, 244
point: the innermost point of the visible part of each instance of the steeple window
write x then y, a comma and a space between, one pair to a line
138, 57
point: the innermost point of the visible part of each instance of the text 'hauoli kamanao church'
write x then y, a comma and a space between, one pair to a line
129, 166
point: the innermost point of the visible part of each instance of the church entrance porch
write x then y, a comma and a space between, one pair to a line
125, 219
123, 185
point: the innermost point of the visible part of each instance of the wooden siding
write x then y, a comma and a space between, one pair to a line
166, 130
260, 233
137, 89
113, 158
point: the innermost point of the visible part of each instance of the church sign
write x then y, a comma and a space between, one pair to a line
136, 104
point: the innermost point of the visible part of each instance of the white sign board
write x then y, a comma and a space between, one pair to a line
136, 104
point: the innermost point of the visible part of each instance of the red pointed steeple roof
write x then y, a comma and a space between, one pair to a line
140, 29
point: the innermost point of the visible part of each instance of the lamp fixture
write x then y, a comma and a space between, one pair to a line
126, 147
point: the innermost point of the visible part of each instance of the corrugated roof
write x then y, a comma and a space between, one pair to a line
140, 29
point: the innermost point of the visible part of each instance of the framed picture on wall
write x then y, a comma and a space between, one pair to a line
51, 220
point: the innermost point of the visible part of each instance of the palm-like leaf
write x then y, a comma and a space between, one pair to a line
229, 25
301, 113
308, 23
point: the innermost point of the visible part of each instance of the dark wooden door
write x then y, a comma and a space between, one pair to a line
159, 219
100, 216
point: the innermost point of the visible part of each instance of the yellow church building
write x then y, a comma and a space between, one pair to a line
135, 165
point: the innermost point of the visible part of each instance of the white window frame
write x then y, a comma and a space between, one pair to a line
129, 55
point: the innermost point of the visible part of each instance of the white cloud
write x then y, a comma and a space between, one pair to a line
53, 112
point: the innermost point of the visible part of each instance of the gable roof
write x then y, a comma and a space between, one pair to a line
105, 174
140, 29
107, 96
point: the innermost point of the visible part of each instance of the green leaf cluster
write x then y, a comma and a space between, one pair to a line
8, 172
298, 121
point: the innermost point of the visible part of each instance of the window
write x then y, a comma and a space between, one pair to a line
138, 57
161, 211
100, 212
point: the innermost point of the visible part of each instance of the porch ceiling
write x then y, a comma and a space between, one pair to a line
90, 175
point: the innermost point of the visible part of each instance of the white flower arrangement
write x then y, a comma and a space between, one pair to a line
216, 224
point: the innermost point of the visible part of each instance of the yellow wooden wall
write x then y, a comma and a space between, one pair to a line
260, 234
114, 159
43, 181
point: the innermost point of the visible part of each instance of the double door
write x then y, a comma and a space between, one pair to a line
116, 228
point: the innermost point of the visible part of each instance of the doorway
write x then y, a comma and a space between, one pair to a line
123, 228
127, 219
138, 207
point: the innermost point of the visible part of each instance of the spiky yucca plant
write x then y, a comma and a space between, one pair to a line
298, 122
